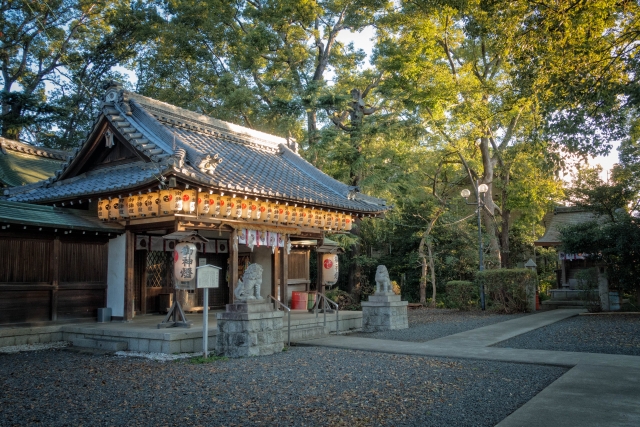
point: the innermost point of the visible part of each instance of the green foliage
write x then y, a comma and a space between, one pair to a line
344, 300
614, 236
462, 294
588, 284
506, 289
201, 360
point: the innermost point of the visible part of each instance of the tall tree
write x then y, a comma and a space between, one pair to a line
54, 55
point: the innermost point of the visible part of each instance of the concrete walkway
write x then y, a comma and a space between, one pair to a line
598, 390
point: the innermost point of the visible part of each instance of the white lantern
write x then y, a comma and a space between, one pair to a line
184, 262
330, 269
114, 208
205, 202
189, 201
103, 209
152, 203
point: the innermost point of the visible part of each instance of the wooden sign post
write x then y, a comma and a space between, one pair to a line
207, 276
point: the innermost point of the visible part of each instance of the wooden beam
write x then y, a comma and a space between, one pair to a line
319, 283
307, 274
274, 273
284, 271
55, 276
129, 286
233, 264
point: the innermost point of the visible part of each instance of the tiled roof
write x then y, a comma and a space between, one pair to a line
22, 163
120, 178
562, 217
252, 163
47, 216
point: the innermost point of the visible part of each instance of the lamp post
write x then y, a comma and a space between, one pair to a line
480, 190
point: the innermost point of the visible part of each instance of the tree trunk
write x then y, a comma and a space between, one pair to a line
431, 264
355, 272
488, 215
505, 226
433, 273
312, 131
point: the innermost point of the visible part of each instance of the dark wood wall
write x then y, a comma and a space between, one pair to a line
51, 276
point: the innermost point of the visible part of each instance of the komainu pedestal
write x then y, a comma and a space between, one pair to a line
383, 312
249, 328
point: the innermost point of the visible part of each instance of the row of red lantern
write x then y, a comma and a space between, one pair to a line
206, 205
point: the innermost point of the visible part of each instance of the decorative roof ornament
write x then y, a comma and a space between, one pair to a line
209, 164
108, 137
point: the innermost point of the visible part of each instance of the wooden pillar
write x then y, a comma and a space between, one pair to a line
55, 276
129, 277
274, 273
307, 258
319, 282
233, 264
284, 271
564, 273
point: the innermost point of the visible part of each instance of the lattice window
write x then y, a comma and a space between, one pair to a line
158, 269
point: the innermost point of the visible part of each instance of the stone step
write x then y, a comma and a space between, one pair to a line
100, 344
308, 333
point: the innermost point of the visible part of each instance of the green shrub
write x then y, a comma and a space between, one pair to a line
506, 289
462, 294
588, 284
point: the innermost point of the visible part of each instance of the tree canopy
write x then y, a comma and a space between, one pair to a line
456, 93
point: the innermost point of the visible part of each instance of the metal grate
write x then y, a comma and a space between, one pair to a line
158, 268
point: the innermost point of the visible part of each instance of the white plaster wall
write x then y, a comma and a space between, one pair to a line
115, 275
262, 255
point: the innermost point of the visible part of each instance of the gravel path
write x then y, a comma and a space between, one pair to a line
611, 334
304, 386
427, 324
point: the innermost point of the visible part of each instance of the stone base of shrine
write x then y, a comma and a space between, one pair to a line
251, 328
384, 312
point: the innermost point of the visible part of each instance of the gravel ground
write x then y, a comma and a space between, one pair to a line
611, 334
427, 324
302, 386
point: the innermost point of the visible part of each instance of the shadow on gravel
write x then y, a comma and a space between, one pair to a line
304, 386
426, 324
609, 333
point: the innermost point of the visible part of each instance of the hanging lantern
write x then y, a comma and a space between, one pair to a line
103, 209
285, 214
216, 205
299, 216
293, 218
226, 206
328, 220
340, 222
204, 204
330, 269
170, 201
246, 208
258, 210
253, 210
151, 203
123, 211
348, 222
184, 262
307, 217
277, 211
130, 202
237, 208
138, 205
189, 201
114, 211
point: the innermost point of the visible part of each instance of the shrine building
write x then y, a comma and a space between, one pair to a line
149, 171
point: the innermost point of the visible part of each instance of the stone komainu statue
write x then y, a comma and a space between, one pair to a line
249, 286
382, 280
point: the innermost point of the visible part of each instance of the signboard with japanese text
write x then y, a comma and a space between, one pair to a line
208, 277
184, 265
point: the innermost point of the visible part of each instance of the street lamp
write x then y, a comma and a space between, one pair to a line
480, 190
